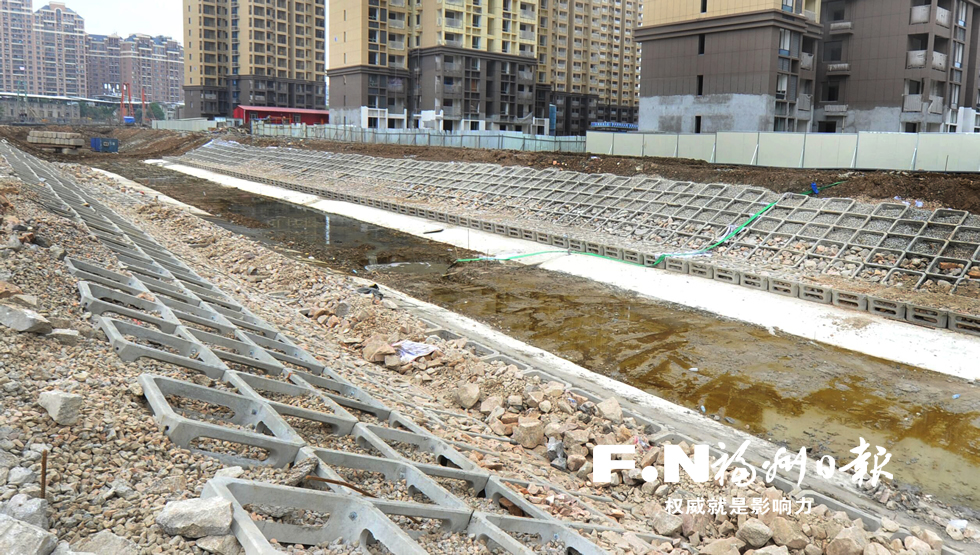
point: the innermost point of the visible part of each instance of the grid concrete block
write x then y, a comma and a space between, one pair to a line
437, 449
784, 287
97, 274
815, 293
650, 261
545, 532
100, 300
677, 265
854, 301
925, 316
239, 351
271, 433
701, 269
728, 276
964, 323
181, 350
884, 307
346, 517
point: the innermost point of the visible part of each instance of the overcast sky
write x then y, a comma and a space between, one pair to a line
125, 17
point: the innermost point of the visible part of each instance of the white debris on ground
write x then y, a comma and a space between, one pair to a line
115, 484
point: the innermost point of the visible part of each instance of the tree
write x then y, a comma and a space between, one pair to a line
157, 111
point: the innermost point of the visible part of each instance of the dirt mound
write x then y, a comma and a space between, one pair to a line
133, 141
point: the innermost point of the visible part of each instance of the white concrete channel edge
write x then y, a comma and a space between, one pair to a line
941, 351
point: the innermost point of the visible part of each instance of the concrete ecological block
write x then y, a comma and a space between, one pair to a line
131, 342
333, 417
271, 433
343, 516
99, 300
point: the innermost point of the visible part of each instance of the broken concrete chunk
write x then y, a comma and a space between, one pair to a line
65, 336
529, 432
377, 348
490, 403
196, 518
23, 319
64, 408
230, 472
754, 532
220, 545
24, 538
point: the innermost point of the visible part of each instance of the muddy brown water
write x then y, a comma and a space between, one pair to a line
792, 391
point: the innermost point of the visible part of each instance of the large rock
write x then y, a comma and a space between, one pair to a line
772, 550
377, 348
196, 518
467, 395
220, 545
787, 533
19, 476
25, 539
610, 410
724, 546
23, 319
490, 403
876, 549
849, 541
107, 543
28, 509
64, 408
529, 433
65, 549
666, 524
917, 546
754, 532
8, 290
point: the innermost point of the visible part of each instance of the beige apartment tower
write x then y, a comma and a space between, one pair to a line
41, 52
498, 65
255, 53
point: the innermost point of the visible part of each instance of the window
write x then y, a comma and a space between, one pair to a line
954, 96
957, 55
704, 9
700, 85
701, 44
788, 6
782, 83
833, 51
831, 91
697, 124
784, 41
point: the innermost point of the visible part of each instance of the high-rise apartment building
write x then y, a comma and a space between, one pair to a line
483, 64
588, 62
439, 64
253, 52
868, 65
153, 66
59, 41
17, 46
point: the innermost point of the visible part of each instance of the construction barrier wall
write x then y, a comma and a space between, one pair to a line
859, 151
498, 140
185, 124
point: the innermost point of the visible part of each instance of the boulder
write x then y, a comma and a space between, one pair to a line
490, 403
529, 433
196, 518
64, 408
876, 549
220, 545
787, 533
754, 532
66, 336
575, 462
917, 546
724, 546
610, 410
23, 538
65, 549
377, 348
23, 319
19, 476
27, 509
666, 524
849, 541
773, 550
467, 395
107, 543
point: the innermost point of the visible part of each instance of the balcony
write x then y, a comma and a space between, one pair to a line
839, 68
396, 87
528, 15
916, 59
527, 35
525, 75
451, 111
812, 16
450, 89
912, 103
397, 3
920, 14
936, 105
841, 27
452, 43
396, 45
396, 23
453, 23
943, 17
804, 102
939, 61
527, 53
806, 61
835, 109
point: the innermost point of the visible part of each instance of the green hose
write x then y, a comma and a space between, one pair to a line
663, 256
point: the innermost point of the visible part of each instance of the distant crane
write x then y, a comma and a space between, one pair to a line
126, 115
147, 115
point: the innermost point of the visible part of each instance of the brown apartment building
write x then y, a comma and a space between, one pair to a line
151, 65
253, 52
41, 52
498, 65
868, 65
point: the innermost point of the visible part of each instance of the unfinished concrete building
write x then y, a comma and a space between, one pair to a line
254, 52
451, 65
871, 65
